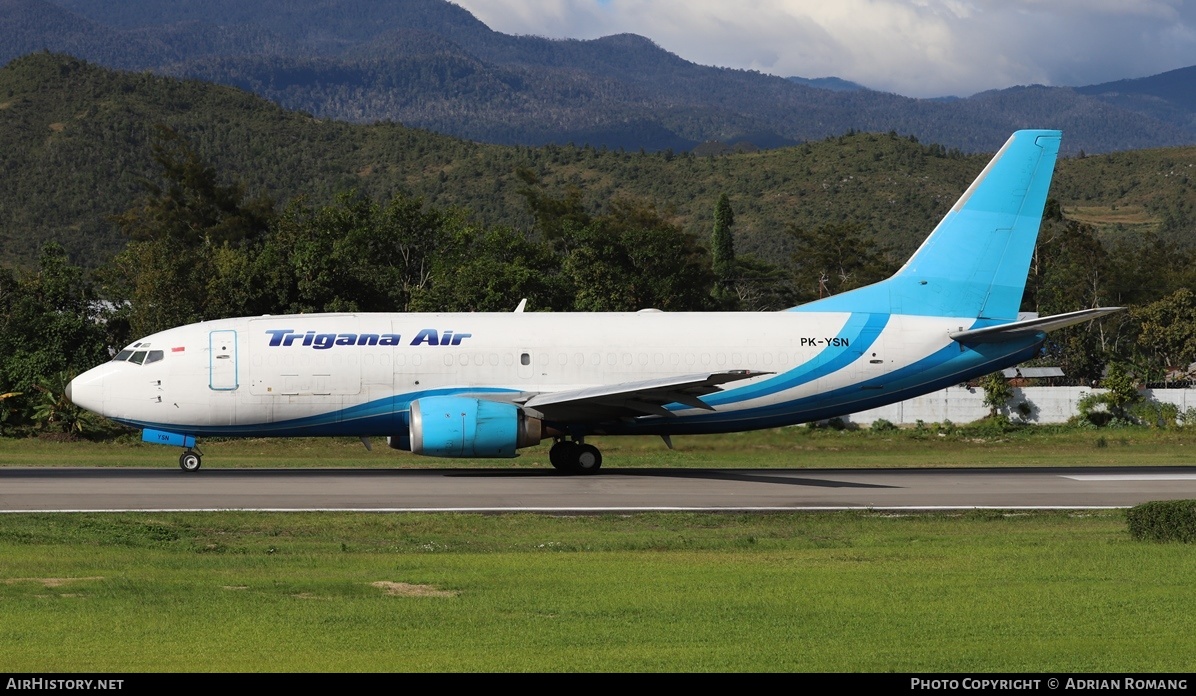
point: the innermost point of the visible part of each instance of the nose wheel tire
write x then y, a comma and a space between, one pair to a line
190, 461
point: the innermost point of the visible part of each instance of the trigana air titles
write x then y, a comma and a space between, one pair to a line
487, 384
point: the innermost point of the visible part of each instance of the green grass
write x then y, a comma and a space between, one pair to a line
800, 447
649, 592
294, 592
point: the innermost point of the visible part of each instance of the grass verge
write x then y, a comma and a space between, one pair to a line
931, 446
346, 592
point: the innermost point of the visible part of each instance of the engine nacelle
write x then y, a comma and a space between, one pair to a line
457, 426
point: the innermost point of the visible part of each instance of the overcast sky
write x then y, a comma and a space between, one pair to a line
919, 48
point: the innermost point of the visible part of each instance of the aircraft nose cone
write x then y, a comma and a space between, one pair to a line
87, 390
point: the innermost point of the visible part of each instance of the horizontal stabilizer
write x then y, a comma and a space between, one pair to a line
1004, 332
630, 399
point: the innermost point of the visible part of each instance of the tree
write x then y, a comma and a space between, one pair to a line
722, 251
835, 258
761, 287
1122, 390
553, 215
478, 270
1072, 270
186, 232
1167, 328
632, 258
188, 204
351, 255
51, 324
997, 392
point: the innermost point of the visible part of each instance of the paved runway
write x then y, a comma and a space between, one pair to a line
613, 490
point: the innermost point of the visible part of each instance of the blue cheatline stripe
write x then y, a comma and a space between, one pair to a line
944, 368
861, 330
386, 416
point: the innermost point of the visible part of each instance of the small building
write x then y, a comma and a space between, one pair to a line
1021, 376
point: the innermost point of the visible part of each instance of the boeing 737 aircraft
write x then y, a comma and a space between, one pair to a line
485, 385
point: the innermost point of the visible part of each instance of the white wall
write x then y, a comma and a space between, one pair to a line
964, 405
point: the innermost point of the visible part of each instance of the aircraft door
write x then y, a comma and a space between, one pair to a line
222, 360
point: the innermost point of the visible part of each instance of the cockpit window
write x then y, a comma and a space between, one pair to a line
144, 356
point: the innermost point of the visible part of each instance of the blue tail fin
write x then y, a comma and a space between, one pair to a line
975, 262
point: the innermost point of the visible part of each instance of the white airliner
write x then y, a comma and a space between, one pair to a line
485, 385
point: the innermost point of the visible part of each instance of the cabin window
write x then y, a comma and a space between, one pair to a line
153, 357
525, 359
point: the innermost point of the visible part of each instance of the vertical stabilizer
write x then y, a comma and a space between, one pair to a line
974, 263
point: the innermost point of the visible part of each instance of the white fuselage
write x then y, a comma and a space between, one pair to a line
356, 374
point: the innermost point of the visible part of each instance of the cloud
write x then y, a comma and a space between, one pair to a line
914, 47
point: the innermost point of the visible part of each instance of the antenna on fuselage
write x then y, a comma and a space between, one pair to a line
522, 304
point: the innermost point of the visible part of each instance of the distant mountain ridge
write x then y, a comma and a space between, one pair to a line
431, 64
75, 144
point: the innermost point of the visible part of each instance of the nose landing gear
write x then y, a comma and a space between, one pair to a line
190, 460
574, 457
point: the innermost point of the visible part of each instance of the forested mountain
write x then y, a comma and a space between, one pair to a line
75, 148
431, 64
175, 201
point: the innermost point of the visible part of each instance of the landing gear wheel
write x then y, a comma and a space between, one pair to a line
586, 459
562, 456
190, 461
574, 458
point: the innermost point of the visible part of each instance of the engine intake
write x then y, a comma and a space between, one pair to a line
456, 426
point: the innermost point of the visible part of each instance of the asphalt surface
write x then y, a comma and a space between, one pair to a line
611, 490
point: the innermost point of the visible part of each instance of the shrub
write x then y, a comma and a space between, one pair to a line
997, 393
1163, 520
992, 426
1155, 414
881, 425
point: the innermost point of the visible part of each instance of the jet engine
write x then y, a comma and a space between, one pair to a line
456, 426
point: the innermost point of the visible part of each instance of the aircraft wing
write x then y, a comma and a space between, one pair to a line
631, 399
1021, 328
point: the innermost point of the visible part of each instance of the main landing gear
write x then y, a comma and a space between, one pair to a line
574, 457
190, 460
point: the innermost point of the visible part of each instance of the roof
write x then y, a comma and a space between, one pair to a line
1032, 372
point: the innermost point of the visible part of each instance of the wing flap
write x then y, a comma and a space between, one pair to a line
632, 399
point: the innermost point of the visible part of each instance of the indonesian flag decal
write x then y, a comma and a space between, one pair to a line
178, 349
